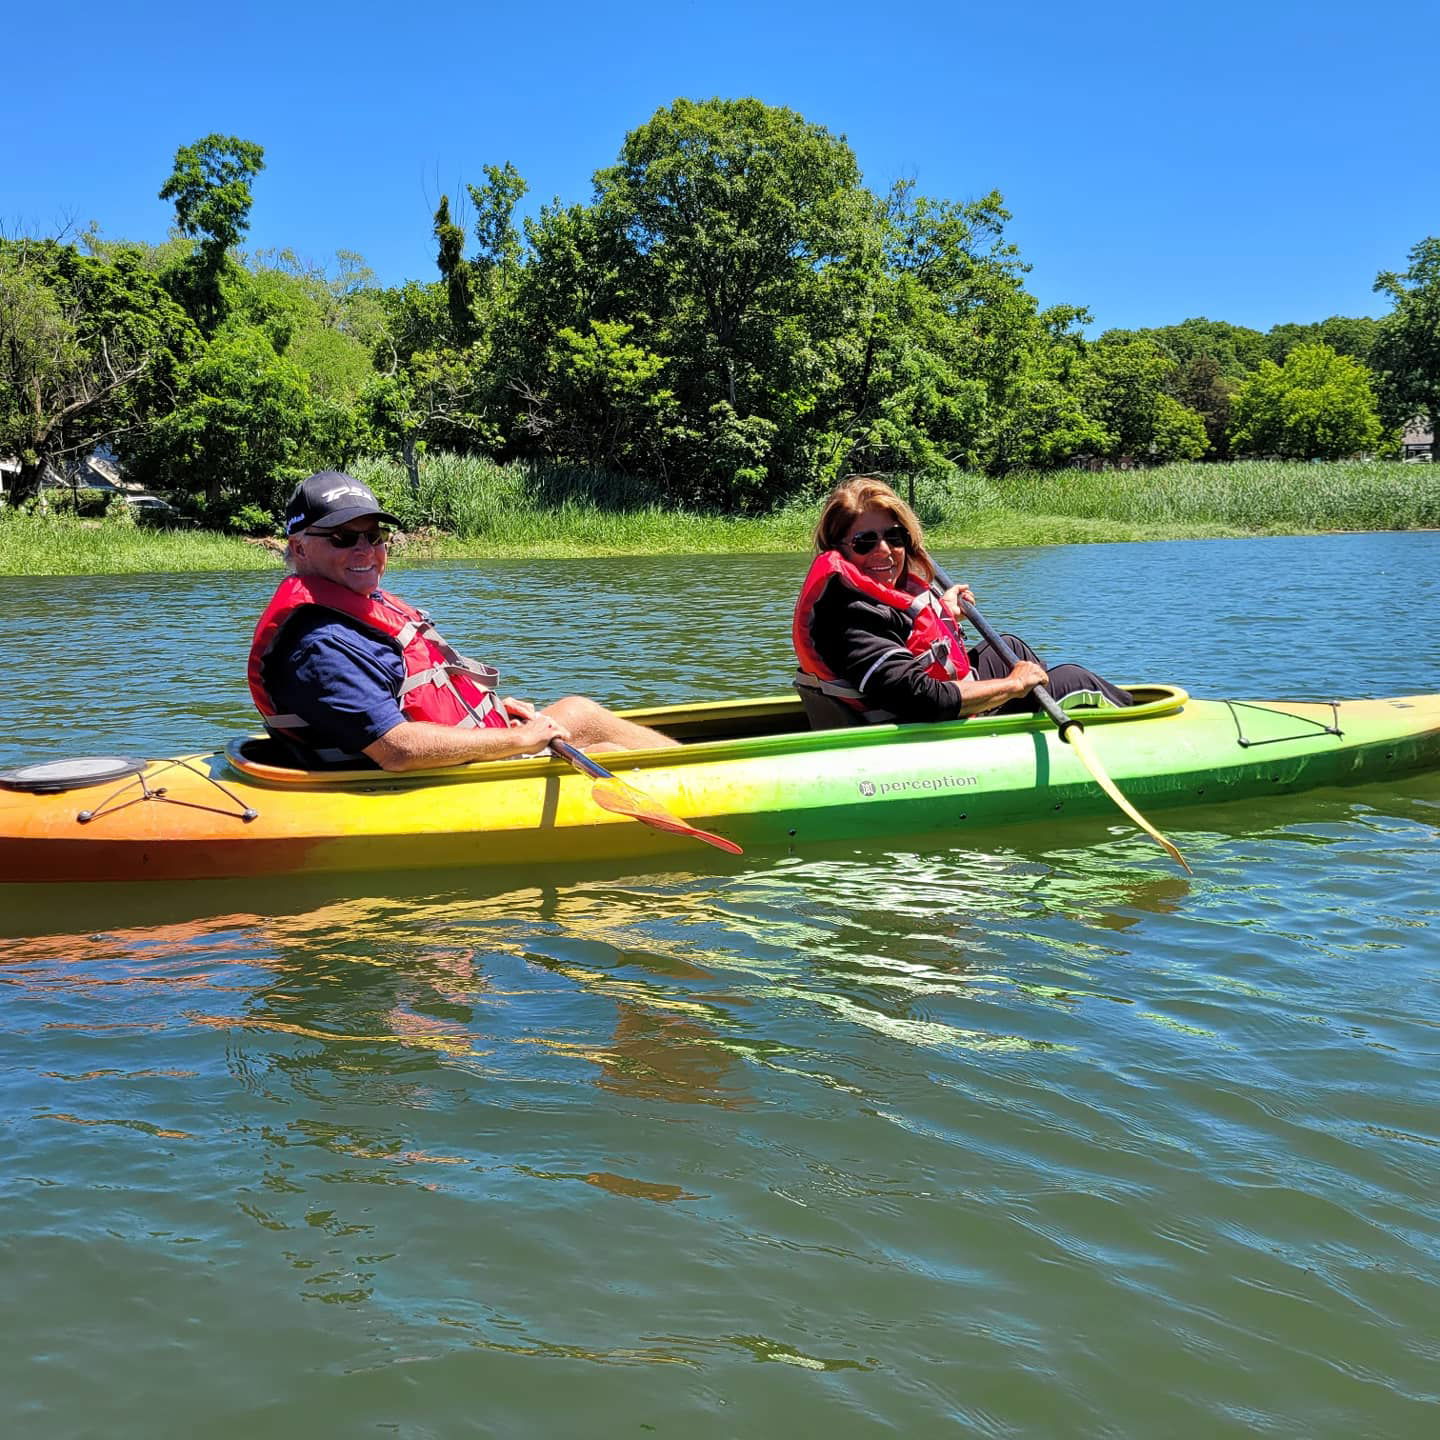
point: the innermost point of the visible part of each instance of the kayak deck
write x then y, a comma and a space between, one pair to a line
745, 770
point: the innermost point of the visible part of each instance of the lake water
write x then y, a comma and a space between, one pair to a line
1031, 1135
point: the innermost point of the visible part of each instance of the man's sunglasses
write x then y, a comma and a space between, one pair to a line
897, 537
348, 539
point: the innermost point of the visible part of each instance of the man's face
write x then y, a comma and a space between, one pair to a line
357, 567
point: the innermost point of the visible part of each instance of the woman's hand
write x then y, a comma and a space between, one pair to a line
951, 600
519, 711
1027, 675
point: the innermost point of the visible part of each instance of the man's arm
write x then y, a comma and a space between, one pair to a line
422, 745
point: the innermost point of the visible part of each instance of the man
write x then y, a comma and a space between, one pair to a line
342, 669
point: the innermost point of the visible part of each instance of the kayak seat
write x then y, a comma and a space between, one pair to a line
825, 712
271, 750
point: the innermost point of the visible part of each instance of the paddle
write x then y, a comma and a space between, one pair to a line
613, 794
1072, 731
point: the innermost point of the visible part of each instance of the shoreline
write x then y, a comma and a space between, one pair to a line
191, 552
226, 555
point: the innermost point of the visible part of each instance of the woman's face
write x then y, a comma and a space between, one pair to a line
874, 547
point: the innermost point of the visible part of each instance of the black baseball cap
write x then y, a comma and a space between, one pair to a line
330, 499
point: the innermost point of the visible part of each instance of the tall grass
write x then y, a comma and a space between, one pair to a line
483, 507
471, 507
63, 545
1256, 496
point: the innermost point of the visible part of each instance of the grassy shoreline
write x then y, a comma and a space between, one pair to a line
495, 510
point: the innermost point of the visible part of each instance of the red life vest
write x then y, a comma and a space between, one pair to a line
932, 637
440, 684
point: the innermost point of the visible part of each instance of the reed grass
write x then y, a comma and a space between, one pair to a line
469, 507
1253, 496
63, 545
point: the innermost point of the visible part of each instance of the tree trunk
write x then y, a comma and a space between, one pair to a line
27, 482
411, 461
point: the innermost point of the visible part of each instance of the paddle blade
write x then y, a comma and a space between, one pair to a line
1080, 743
621, 799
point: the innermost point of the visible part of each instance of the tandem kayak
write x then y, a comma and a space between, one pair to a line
748, 770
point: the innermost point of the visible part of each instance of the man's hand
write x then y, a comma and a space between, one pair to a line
537, 732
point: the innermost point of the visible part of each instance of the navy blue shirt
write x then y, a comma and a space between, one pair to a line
339, 676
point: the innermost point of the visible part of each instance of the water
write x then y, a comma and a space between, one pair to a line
1032, 1137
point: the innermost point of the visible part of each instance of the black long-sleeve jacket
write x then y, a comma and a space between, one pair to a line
864, 641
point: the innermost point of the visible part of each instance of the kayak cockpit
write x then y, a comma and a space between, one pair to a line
708, 730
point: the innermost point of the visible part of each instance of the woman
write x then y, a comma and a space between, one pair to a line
875, 633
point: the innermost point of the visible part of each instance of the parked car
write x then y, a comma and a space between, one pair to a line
152, 510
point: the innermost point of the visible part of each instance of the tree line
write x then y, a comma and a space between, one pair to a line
733, 316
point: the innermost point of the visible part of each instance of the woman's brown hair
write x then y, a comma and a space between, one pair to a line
851, 498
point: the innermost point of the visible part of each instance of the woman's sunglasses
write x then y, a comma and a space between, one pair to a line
897, 537
348, 539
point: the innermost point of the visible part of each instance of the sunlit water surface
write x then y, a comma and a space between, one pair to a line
1033, 1136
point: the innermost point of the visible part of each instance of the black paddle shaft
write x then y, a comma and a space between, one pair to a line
1047, 701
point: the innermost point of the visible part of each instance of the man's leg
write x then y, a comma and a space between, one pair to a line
593, 727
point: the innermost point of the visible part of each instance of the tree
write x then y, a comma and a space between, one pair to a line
1352, 335
88, 351
243, 427
1236, 350
1123, 388
1201, 386
730, 212
455, 271
210, 186
495, 201
1407, 352
1317, 406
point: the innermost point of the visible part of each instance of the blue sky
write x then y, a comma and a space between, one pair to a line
1256, 163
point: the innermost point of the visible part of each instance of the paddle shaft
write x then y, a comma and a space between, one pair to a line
1071, 730
996, 641
613, 794
580, 760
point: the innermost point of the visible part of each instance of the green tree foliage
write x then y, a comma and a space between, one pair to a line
89, 349
1317, 406
787, 324
730, 213
734, 316
1407, 350
1236, 350
1123, 389
210, 186
500, 246
244, 428
1200, 385
933, 338
455, 272
1353, 335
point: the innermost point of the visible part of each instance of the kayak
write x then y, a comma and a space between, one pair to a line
748, 770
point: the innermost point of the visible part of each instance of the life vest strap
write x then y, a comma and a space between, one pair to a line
435, 675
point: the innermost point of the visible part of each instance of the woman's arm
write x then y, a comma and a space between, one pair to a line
865, 642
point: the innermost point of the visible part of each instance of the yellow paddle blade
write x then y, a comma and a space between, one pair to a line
1080, 743
621, 799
